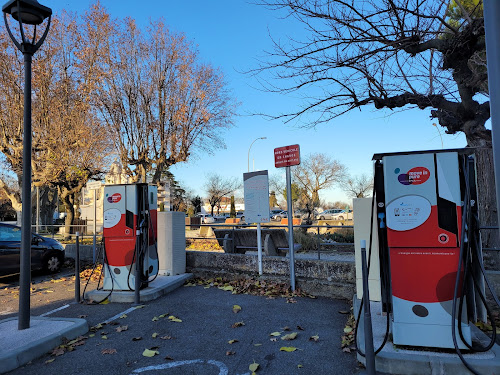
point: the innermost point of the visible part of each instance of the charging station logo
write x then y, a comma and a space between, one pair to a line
414, 176
115, 198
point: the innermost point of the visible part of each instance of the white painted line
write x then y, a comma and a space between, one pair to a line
53, 311
222, 367
118, 315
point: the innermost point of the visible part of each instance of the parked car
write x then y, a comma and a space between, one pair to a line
240, 215
328, 214
206, 219
280, 215
303, 214
343, 215
46, 253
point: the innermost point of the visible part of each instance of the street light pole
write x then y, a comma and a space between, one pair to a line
251, 144
28, 12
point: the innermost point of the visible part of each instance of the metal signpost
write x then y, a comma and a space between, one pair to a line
286, 157
94, 185
256, 195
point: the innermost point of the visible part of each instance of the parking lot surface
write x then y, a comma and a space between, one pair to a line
195, 330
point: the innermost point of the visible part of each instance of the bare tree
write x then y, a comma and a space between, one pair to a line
317, 171
218, 187
159, 102
392, 54
359, 186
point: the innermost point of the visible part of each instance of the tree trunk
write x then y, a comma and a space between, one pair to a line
487, 207
67, 201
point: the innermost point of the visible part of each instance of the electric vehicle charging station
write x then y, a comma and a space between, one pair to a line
130, 235
421, 199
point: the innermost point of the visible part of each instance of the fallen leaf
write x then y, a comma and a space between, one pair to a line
162, 315
136, 338
346, 350
50, 360
154, 335
299, 366
121, 328
169, 358
174, 319
236, 309
123, 316
253, 367
108, 351
287, 349
232, 341
150, 353
229, 352
140, 306
291, 300
105, 302
228, 288
274, 339
92, 335
347, 330
257, 344
286, 328
57, 351
155, 319
343, 312
104, 337
237, 324
314, 338
166, 337
300, 328
290, 336
275, 334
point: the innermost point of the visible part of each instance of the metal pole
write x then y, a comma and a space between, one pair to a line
37, 209
492, 30
95, 226
290, 226
251, 144
77, 268
369, 350
25, 261
259, 247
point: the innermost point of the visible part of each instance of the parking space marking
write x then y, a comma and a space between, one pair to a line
118, 315
55, 310
223, 370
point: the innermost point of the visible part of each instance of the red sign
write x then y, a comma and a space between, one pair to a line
115, 198
286, 156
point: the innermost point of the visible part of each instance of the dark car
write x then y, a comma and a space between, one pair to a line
46, 253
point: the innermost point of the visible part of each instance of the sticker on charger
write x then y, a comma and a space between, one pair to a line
408, 212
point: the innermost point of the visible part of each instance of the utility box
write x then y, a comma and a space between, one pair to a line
363, 226
171, 243
422, 200
130, 215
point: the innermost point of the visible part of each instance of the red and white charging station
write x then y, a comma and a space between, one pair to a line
130, 227
422, 201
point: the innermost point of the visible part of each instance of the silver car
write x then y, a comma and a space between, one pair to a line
329, 214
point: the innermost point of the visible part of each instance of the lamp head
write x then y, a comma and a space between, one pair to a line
29, 12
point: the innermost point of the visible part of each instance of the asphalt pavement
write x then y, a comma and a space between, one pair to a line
190, 331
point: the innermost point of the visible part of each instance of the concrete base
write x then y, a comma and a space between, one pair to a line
21, 346
157, 288
421, 361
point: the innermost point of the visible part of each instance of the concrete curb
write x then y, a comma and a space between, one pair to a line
157, 288
397, 360
13, 358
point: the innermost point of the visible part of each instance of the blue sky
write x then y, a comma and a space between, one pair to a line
234, 35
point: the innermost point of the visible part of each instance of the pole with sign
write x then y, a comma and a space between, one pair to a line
256, 195
286, 157
94, 185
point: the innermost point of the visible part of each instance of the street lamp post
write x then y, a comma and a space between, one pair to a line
251, 144
26, 12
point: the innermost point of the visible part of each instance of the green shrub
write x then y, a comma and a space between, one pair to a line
342, 235
308, 240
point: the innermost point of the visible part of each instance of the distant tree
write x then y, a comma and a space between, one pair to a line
391, 54
218, 187
318, 171
233, 208
196, 203
357, 186
296, 192
273, 202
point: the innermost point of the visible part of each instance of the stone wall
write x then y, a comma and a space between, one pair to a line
318, 277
